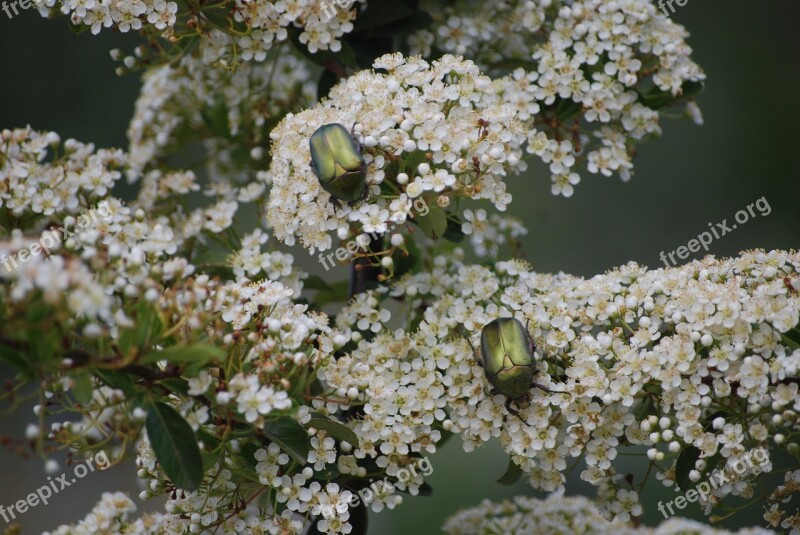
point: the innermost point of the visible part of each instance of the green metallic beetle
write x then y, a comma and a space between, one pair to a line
337, 161
508, 360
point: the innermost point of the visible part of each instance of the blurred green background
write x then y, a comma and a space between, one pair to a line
54, 80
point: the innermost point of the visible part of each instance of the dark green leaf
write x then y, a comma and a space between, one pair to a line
179, 386
37, 311
175, 446
339, 293
118, 380
425, 490
41, 346
315, 282
418, 21
454, 232
191, 354
685, 464
78, 29
512, 475
216, 118
434, 223
249, 453
327, 80
146, 330
335, 429
381, 13
359, 519
403, 263
16, 359
83, 387
290, 436
656, 98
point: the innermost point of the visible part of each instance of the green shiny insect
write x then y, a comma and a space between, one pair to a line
507, 357
337, 161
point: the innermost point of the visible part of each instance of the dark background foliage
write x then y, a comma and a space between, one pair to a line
54, 80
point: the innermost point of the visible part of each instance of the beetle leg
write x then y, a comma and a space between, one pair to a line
540, 387
353, 135
474, 351
514, 411
531, 343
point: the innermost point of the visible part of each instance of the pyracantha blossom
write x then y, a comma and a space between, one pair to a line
594, 73
251, 29
229, 111
429, 130
123, 15
561, 514
615, 350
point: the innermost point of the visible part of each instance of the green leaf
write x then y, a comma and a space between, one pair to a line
83, 387
359, 519
175, 446
339, 294
290, 436
381, 13
454, 232
512, 475
434, 223
191, 354
425, 490
118, 380
145, 332
249, 453
657, 98
403, 263
179, 386
315, 282
16, 359
684, 465
327, 80
37, 312
41, 346
77, 29
335, 429
216, 118
418, 21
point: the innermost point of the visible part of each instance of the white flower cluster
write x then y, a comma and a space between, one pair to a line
778, 513
322, 24
31, 184
123, 15
487, 233
617, 350
561, 514
253, 26
108, 517
194, 102
437, 130
594, 72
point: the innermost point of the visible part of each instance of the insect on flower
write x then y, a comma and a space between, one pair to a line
337, 161
507, 357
